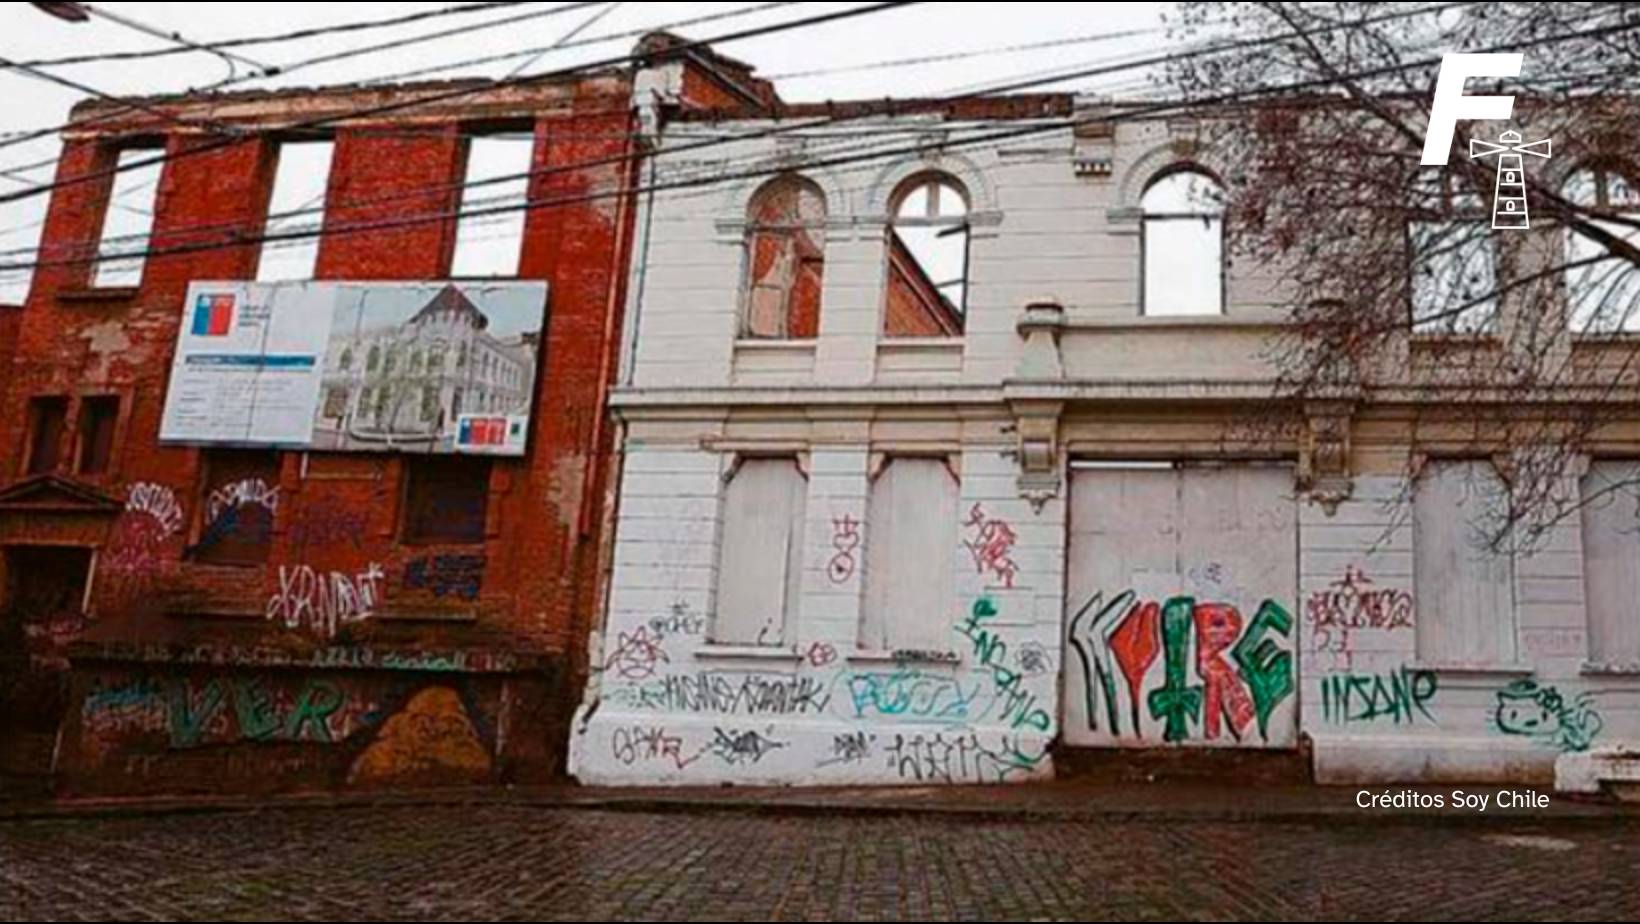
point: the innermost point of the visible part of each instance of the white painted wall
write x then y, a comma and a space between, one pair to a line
664, 706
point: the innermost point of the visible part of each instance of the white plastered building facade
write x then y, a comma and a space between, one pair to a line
856, 558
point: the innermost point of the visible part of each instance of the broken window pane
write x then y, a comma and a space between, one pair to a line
1183, 245
928, 260
297, 206
785, 260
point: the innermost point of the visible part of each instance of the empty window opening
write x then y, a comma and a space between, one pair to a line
497, 178
785, 260
296, 208
128, 220
1603, 288
928, 260
1182, 245
98, 417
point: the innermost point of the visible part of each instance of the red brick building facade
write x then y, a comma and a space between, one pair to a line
140, 655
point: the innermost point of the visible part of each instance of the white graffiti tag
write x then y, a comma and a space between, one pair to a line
323, 602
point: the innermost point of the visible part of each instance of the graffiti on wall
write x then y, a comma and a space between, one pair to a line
323, 602
963, 757
1351, 604
1528, 709
459, 576
133, 557
908, 693
1196, 668
638, 655
432, 738
643, 744
991, 542
325, 728
196, 713
1016, 705
845, 542
680, 619
1399, 697
728, 693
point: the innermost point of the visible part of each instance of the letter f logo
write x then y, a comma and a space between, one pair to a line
1451, 104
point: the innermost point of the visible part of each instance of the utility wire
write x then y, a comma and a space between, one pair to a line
277, 38
288, 69
715, 176
440, 96
890, 109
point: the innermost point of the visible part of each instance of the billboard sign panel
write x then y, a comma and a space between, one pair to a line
444, 367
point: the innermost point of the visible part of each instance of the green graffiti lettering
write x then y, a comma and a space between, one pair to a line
1175, 702
1266, 667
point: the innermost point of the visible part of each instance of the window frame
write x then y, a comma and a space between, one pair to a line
754, 227
410, 529
943, 181
1146, 217
115, 155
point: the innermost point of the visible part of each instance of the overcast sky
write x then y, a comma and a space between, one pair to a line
844, 49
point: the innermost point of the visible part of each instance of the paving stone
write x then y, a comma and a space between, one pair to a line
520, 862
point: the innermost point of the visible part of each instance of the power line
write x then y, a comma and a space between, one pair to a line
459, 92
278, 38
888, 109
715, 176
227, 57
288, 69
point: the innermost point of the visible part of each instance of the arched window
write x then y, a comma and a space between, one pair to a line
927, 259
1602, 288
1454, 258
375, 360
785, 260
1182, 245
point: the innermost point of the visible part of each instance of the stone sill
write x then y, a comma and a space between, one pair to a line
910, 658
1607, 669
1473, 669
746, 653
93, 295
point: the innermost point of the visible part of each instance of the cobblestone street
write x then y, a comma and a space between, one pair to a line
518, 862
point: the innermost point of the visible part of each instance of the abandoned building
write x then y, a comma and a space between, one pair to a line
930, 476
856, 443
245, 550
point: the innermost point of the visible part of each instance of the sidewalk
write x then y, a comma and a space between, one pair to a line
1059, 800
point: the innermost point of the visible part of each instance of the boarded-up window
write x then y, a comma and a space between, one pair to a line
128, 221
760, 565
1611, 560
98, 415
927, 260
488, 241
446, 500
296, 209
241, 502
1465, 588
785, 260
911, 536
47, 419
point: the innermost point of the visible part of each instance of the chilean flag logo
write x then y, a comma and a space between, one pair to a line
213, 315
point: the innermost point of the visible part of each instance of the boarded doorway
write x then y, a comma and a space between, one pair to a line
1181, 587
41, 613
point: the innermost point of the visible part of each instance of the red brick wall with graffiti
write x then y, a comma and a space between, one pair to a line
336, 599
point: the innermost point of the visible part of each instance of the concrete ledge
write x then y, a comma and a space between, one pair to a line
1342, 760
